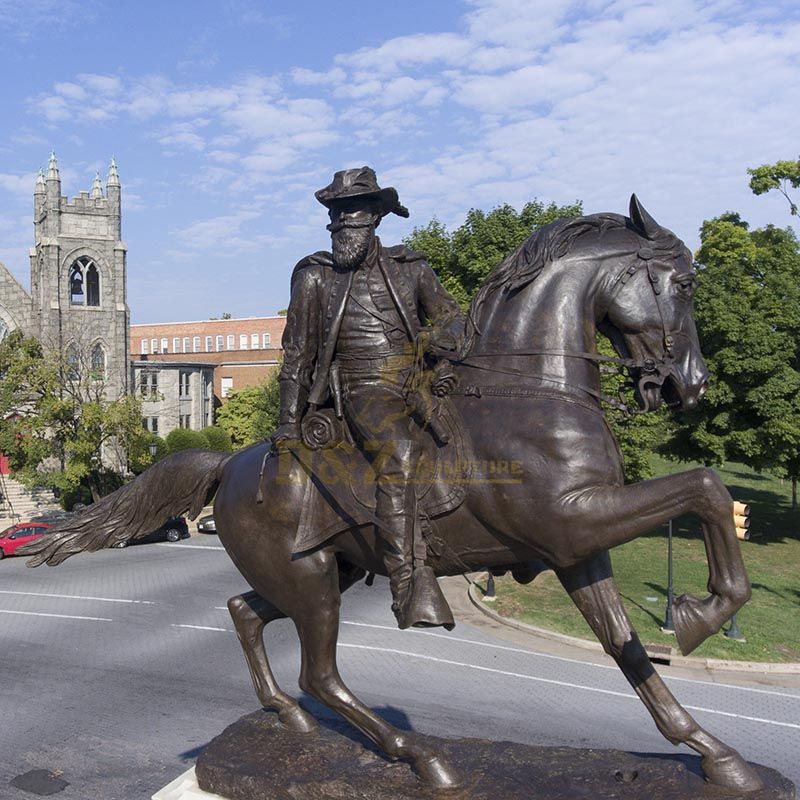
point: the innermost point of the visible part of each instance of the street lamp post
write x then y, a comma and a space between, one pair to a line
667, 627
153, 448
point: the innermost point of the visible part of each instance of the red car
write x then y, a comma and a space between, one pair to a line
19, 534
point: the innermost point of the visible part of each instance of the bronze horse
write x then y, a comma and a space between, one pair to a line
529, 393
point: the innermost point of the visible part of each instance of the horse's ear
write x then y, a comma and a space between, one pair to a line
642, 221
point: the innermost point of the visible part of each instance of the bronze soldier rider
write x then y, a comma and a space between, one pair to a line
354, 318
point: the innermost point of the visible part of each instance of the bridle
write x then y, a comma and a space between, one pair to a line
652, 371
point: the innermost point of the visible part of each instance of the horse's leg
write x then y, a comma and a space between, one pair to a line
250, 613
601, 517
317, 619
592, 588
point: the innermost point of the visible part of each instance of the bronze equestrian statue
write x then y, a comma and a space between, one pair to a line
353, 319
528, 394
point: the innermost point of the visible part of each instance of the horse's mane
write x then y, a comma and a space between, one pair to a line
550, 243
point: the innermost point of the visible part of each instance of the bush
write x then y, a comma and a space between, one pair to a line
78, 494
185, 439
217, 439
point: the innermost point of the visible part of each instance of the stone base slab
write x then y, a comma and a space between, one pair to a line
257, 758
184, 788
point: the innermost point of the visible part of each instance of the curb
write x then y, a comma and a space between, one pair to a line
674, 659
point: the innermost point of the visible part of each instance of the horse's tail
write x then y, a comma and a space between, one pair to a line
178, 485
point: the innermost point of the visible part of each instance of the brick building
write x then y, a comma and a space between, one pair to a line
240, 352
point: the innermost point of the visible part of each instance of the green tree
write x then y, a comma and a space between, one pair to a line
462, 259
779, 176
57, 424
251, 414
748, 316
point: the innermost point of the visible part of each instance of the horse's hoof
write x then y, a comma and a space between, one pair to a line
436, 773
689, 622
731, 772
297, 720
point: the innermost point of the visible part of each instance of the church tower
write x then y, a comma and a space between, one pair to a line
78, 279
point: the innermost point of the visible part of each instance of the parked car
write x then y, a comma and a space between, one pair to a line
19, 534
206, 524
171, 531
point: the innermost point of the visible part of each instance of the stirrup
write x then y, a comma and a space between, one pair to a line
423, 605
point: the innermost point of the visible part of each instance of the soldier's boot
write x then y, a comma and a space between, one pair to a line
417, 598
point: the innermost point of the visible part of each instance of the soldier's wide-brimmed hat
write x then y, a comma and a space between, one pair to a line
360, 182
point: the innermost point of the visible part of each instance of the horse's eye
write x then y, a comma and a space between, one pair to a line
687, 285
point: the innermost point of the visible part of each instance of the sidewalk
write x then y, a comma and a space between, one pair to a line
472, 610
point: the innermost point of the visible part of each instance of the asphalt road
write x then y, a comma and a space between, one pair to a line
117, 667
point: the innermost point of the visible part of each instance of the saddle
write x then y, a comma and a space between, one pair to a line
340, 482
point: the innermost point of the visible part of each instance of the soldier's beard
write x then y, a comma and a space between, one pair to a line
351, 245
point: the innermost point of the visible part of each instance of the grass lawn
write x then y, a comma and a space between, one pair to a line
770, 621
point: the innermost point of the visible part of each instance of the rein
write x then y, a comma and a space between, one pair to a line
653, 371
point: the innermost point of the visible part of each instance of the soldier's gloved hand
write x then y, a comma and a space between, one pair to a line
444, 379
285, 434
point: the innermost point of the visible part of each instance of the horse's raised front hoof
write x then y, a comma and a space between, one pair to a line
731, 772
689, 619
435, 772
297, 720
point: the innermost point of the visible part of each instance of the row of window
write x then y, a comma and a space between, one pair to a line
192, 344
148, 385
97, 363
151, 423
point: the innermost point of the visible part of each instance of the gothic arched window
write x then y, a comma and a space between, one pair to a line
92, 286
76, 295
73, 363
98, 362
84, 283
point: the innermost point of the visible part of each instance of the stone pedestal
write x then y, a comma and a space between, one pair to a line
256, 758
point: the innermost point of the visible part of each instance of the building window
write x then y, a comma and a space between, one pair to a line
73, 362
220, 343
243, 341
84, 283
231, 341
265, 340
209, 342
186, 420
184, 383
76, 296
98, 363
254, 341
150, 424
226, 386
143, 347
92, 286
165, 345
195, 344
154, 346
185, 344
148, 385
176, 345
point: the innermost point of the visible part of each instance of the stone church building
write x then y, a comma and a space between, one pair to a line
78, 305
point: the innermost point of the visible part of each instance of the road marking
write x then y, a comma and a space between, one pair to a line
190, 546
565, 684
200, 627
80, 597
479, 644
569, 660
58, 616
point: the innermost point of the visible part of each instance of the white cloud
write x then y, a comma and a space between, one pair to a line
21, 185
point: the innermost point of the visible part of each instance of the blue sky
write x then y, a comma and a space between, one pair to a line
225, 117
